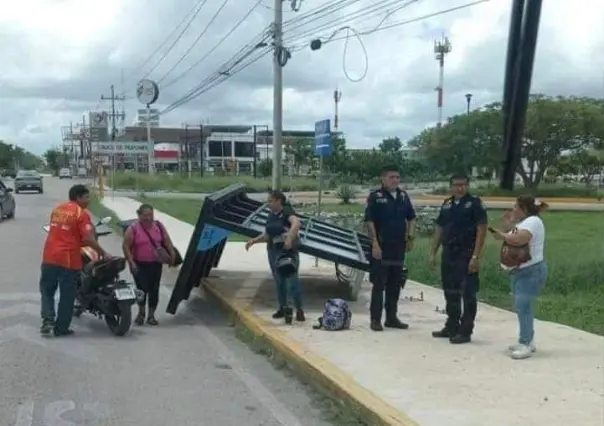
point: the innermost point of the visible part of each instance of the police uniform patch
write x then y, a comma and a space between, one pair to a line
468, 204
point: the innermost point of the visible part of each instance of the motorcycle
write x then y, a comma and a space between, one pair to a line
100, 290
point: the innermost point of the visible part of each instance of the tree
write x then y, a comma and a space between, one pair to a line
588, 164
336, 162
265, 167
301, 151
15, 157
390, 145
553, 126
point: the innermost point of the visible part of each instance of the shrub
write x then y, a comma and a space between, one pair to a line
346, 193
426, 217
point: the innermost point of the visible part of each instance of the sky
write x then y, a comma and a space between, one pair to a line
60, 56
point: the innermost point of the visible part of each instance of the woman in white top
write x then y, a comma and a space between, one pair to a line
526, 279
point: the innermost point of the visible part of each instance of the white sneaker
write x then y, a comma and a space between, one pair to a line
522, 352
512, 348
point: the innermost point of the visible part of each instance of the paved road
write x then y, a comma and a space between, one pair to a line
417, 200
190, 370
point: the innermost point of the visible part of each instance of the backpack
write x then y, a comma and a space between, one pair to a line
336, 316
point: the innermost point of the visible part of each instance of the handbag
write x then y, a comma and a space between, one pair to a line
514, 256
163, 255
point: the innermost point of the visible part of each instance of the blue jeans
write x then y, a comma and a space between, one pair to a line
526, 283
66, 280
284, 285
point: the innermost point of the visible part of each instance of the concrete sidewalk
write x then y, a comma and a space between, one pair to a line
406, 377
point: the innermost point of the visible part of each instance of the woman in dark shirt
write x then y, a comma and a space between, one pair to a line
281, 235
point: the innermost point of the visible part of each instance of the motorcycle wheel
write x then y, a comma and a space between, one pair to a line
119, 324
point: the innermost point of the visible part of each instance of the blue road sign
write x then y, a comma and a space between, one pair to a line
323, 138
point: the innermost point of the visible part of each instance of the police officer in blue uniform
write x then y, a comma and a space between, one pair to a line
390, 220
460, 230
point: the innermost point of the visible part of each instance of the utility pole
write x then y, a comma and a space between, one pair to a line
113, 116
337, 97
278, 56
187, 150
441, 49
201, 139
255, 146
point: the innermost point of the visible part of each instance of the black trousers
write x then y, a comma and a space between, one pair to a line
386, 278
148, 279
460, 288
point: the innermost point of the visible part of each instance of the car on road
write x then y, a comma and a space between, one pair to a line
7, 202
28, 180
65, 173
8, 173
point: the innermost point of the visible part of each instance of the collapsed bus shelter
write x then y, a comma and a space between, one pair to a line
231, 210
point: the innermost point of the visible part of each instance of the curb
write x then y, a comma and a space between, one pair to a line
322, 374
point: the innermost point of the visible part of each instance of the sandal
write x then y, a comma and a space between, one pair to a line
152, 321
140, 319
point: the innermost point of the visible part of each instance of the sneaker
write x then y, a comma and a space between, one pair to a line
60, 333
532, 346
522, 352
300, 315
288, 314
140, 319
279, 314
46, 329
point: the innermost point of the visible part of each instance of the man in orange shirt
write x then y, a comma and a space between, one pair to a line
70, 230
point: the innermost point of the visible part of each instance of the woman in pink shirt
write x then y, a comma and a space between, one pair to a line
147, 246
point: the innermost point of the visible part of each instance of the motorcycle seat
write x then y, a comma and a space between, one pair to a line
104, 267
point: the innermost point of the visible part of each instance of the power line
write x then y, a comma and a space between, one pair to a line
414, 20
388, 6
319, 12
227, 70
237, 64
205, 30
199, 6
164, 42
216, 46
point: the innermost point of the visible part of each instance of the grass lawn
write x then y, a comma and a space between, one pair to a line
574, 292
544, 190
180, 183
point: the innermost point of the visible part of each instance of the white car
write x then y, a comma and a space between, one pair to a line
65, 173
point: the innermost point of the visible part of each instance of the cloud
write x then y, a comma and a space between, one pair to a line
59, 57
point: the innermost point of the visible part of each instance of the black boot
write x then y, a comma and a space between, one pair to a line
300, 315
394, 322
376, 325
459, 339
442, 334
278, 314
